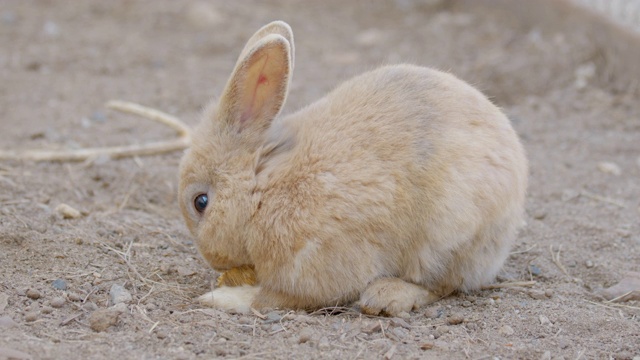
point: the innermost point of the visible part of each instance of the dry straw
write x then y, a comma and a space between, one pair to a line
151, 148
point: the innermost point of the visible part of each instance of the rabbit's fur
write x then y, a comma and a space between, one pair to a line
399, 187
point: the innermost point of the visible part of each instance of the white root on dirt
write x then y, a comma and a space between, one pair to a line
509, 284
115, 152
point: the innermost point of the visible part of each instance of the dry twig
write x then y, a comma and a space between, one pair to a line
258, 314
555, 257
125, 256
620, 296
151, 148
603, 199
335, 310
614, 305
509, 285
523, 251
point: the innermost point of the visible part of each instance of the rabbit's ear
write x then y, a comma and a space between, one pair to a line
276, 27
258, 86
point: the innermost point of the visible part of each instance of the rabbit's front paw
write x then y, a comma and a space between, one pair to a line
236, 299
391, 296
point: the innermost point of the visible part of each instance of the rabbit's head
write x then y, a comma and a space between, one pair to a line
218, 172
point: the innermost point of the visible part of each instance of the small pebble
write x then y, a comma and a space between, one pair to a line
183, 355
455, 319
31, 316
59, 284
563, 344
544, 320
33, 294
57, 302
273, 316
569, 194
228, 335
102, 319
85, 123
184, 271
47, 310
548, 293
624, 355
404, 315
75, 297
609, 168
118, 294
220, 352
588, 264
67, 211
400, 333
506, 330
399, 322
467, 303
534, 270
324, 344
305, 319
161, 334
7, 322
540, 215
623, 233
371, 328
120, 307
441, 330
89, 306
433, 312
99, 116
536, 294
305, 335
426, 346
51, 29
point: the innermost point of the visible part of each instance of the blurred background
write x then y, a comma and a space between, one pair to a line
566, 72
623, 12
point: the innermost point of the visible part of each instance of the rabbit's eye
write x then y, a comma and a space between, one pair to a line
200, 202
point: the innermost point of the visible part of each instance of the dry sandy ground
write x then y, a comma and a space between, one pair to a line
61, 60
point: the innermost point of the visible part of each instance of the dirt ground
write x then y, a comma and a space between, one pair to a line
60, 61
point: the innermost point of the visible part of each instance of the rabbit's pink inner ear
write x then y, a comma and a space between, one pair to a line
264, 87
254, 91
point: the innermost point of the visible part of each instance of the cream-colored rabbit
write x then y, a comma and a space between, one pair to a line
399, 187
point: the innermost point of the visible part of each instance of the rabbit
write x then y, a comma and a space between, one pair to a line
399, 187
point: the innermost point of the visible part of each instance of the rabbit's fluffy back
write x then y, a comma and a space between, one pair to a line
403, 171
